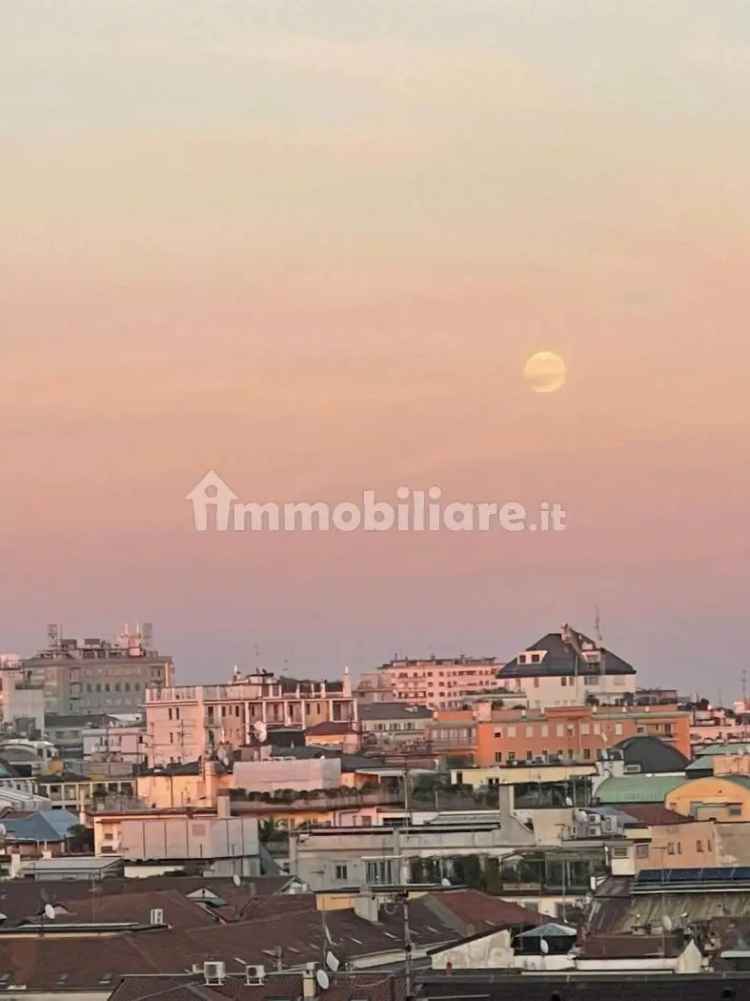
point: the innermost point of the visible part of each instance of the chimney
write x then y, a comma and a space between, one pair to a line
308, 982
366, 905
210, 780
505, 802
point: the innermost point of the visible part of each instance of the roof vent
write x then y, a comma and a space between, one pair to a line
214, 973
156, 916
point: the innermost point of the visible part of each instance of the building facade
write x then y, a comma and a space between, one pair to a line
574, 733
439, 683
188, 722
181, 835
567, 668
393, 725
97, 676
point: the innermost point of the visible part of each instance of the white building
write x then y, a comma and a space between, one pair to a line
567, 668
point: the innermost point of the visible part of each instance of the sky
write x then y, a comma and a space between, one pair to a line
311, 246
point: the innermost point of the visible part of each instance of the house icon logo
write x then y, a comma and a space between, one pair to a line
211, 492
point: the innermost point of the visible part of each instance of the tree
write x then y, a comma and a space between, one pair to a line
80, 839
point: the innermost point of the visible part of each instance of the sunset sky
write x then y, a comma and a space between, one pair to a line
311, 245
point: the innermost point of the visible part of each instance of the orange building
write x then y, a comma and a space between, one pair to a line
578, 733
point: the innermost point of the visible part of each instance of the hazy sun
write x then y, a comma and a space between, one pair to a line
545, 372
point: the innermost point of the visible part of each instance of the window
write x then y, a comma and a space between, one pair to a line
498, 757
117, 687
529, 731
563, 681
560, 730
379, 872
511, 731
171, 738
734, 810
511, 757
618, 728
587, 754
169, 712
545, 730
342, 872
699, 846
641, 851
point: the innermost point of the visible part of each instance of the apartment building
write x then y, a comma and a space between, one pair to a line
393, 724
575, 733
566, 668
188, 722
439, 683
96, 675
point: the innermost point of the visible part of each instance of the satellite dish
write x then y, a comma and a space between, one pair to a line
568, 801
332, 962
3, 830
667, 922
582, 816
544, 945
445, 882
236, 880
261, 731
49, 912
324, 981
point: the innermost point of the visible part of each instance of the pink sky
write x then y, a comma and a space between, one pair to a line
313, 252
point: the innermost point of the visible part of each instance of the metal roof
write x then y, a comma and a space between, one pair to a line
638, 788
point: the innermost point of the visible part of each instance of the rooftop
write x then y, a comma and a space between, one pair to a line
392, 710
651, 754
638, 788
559, 658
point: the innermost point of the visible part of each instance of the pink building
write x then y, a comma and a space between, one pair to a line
188, 722
440, 684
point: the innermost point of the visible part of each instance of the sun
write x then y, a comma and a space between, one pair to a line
545, 372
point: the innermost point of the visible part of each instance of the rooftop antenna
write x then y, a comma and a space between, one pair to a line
600, 642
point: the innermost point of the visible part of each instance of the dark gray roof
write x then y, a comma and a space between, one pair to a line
652, 754
560, 659
392, 710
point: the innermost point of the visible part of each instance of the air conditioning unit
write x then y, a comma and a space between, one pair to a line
156, 916
214, 973
594, 829
254, 975
610, 825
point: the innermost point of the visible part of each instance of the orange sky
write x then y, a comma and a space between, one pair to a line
311, 247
